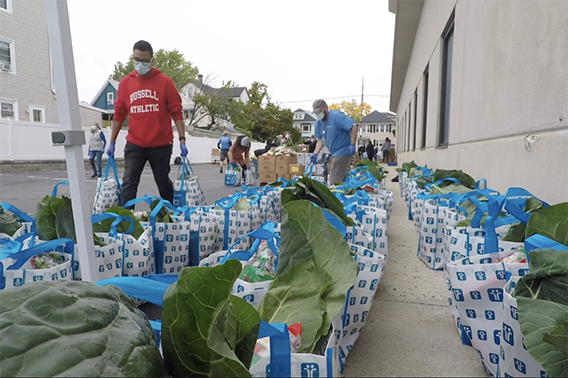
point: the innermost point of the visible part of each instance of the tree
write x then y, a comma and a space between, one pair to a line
214, 104
171, 63
352, 109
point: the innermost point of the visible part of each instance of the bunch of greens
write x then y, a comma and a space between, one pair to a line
163, 216
241, 205
406, 167
312, 190
373, 168
93, 332
54, 219
8, 223
463, 178
516, 232
448, 187
315, 270
542, 304
551, 222
122, 227
207, 331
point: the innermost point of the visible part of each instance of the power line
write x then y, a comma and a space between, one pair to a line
332, 98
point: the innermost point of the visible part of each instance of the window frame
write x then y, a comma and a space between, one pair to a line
109, 96
41, 109
446, 83
12, 48
415, 119
426, 78
14, 106
8, 8
303, 126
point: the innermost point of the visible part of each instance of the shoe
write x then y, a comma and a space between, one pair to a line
95, 175
221, 170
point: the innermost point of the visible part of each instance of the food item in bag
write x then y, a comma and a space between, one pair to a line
47, 260
252, 274
262, 347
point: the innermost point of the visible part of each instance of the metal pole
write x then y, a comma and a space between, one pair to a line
70, 124
361, 110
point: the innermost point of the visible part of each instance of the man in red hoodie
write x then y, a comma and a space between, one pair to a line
150, 100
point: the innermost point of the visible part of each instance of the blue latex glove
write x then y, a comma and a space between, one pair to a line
351, 150
110, 150
183, 149
314, 158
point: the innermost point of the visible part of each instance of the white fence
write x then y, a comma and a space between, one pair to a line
20, 141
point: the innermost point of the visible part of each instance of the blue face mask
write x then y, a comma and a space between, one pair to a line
142, 68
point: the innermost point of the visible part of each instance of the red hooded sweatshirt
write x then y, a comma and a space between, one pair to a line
150, 102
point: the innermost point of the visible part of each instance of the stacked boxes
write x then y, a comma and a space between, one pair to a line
270, 168
215, 155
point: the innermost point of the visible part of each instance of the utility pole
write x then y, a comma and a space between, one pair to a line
361, 108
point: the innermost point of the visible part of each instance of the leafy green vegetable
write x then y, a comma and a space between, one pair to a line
54, 219
312, 190
8, 223
298, 296
516, 233
307, 236
551, 222
241, 205
163, 215
422, 181
123, 226
542, 305
463, 178
206, 331
98, 241
451, 188
74, 329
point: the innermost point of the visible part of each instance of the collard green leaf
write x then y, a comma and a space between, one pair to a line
8, 223
551, 222
64, 223
451, 188
463, 178
123, 226
163, 215
306, 235
297, 296
74, 329
533, 205
558, 337
516, 233
45, 217
241, 205
205, 330
538, 317
547, 278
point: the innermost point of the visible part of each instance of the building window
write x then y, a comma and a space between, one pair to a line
415, 127
444, 128
37, 114
306, 128
110, 98
8, 109
424, 110
6, 55
6, 5
298, 115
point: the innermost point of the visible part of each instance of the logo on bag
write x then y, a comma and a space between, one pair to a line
489, 314
497, 338
467, 330
352, 301
355, 318
428, 240
429, 220
500, 274
520, 366
508, 335
54, 277
374, 284
454, 241
362, 283
309, 370
494, 358
482, 335
522, 272
364, 315
168, 259
543, 374
475, 295
129, 265
37, 278
118, 263
140, 264
363, 300
183, 258
480, 276
495, 295
346, 319
458, 295
456, 256
486, 261
169, 238
471, 313
248, 298
184, 238
136, 252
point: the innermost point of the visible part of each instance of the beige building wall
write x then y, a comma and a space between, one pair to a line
509, 80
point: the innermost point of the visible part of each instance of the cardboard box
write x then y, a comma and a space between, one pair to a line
297, 169
286, 160
215, 152
281, 169
265, 178
266, 168
266, 160
286, 176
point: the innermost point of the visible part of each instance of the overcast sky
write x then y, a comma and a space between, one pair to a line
302, 50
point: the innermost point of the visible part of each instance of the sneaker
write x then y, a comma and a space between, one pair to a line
221, 170
94, 175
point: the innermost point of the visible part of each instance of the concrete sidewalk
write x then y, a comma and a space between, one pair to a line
410, 331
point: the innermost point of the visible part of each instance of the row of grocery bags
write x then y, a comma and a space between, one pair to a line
271, 281
505, 262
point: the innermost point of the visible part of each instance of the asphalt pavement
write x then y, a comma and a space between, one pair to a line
409, 331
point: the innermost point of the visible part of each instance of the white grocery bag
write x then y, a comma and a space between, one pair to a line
250, 176
477, 286
431, 242
514, 359
360, 298
171, 246
109, 190
138, 254
187, 191
204, 229
17, 269
374, 221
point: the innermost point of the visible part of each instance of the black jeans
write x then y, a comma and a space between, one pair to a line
134, 160
385, 156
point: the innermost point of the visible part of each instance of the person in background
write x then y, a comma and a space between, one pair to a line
283, 139
340, 133
361, 151
312, 144
150, 100
97, 144
370, 151
269, 145
385, 150
239, 153
224, 144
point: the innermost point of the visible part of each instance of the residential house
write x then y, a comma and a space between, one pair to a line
104, 100
304, 121
375, 127
27, 91
481, 86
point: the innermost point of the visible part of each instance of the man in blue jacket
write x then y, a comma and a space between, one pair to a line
340, 133
224, 144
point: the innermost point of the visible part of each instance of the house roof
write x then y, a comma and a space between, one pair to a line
237, 91
112, 82
307, 117
376, 117
88, 106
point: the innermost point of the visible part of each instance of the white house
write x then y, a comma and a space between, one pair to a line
482, 86
304, 121
375, 127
